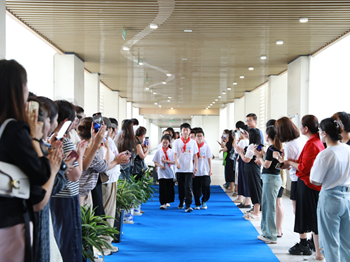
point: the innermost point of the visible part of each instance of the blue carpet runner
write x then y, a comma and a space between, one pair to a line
219, 233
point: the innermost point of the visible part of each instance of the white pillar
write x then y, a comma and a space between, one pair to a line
298, 86
231, 116
129, 111
252, 104
2, 29
277, 96
69, 78
197, 121
239, 109
122, 109
91, 93
111, 103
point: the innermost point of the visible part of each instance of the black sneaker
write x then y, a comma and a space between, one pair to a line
181, 206
299, 249
311, 244
188, 209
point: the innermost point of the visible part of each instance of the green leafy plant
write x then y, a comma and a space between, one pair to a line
95, 232
126, 198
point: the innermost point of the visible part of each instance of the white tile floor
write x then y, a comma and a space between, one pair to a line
289, 237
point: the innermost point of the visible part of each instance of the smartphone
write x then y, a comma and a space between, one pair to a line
242, 130
98, 120
33, 105
259, 147
279, 165
72, 154
146, 141
63, 130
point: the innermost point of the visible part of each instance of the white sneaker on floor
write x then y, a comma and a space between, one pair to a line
197, 208
114, 249
266, 240
313, 259
167, 204
163, 207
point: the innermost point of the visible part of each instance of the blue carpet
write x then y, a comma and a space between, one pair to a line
219, 233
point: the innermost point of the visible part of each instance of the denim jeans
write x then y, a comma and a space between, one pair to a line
125, 174
333, 213
271, 186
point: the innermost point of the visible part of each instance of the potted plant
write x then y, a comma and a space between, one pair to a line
95, 232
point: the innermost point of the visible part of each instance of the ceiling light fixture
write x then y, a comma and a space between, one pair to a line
216, 99
171, 108
164, 83
184, 59
147, 88
234, 83
251, 68
241, 76
153, 26
219, 96
279, 42
156, 103
141, 63
160, 106
303, 19
154, 93
263, 57
224, 93
213, 102
168, 74
188, 31
168, 100
126, 48
207, 108
229, 88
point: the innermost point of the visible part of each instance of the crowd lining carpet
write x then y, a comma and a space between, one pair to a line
219, 233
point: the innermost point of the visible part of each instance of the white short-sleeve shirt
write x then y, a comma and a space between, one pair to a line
250, 151
203, 160
185, 158
332, 167
113, 173
292, 150
168, 172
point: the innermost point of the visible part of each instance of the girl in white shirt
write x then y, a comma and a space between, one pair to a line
164, 159
331, 169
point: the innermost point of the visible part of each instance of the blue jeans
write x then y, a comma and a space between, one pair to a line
271, 186
125, 174
333, 214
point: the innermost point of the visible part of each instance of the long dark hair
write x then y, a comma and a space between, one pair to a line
13, 77
254, 136
332, 127
230, 136
127, 139
271, 132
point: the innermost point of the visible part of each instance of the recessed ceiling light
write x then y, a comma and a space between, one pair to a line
224, 93
213, 102
160, 106
180, 88
147, 88
279, 42
141, 63
234, 83
182, 77
251, 68
156, 103
207, 108
188, 31
184, 59
229, 88
169, 97
171, 108
168, 100
164, 83
303, 19
216, 99
263, 57
168, 74
241, 76
126, 48
153, 26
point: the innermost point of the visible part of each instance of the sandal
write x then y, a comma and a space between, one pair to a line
252, 217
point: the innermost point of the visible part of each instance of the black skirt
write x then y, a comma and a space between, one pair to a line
253, 180
242, 184
293, 190
306, 209
229, 172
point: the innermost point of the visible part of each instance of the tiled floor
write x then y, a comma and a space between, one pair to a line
289, 237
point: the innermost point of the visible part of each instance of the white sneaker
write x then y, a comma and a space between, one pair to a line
313, 258
163, 207
167, 204
106, 252
266, 240
197, 208
114, 249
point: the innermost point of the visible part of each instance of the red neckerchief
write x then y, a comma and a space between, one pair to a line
199, 148
185, 142
166, 155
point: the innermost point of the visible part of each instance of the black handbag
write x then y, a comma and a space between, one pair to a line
139, 167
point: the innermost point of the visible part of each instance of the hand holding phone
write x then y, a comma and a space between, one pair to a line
33, 105
259, 147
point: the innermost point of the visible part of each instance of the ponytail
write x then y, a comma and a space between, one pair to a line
271, 132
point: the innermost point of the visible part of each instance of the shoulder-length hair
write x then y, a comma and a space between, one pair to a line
127, 139
13, 78
286, 130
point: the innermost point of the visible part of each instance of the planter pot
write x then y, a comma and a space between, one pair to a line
137, 211
129, 217
118, 225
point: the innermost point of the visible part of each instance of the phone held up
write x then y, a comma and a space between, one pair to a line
63, 130
33, 105
146, 141
98, 121
72, 154
259, 147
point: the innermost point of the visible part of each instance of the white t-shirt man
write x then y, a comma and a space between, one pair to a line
185, 158
203, 162
114, 173
292, 150
168, 173
332, 167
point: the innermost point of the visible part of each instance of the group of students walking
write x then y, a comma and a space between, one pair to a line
318, 163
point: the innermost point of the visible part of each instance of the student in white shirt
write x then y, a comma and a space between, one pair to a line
164, 159
201, 179
185, 151
331, 169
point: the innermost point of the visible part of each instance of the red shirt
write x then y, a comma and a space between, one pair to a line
306, 160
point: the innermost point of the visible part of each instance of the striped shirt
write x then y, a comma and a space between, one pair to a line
71, 188
88, 179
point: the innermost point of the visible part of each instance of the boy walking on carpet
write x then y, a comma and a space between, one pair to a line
185, 151
202, 178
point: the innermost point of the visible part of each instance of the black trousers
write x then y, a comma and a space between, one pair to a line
166, 190
201, 186
97, 198
185, 187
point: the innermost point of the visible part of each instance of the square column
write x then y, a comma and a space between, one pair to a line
111, 103
69, 78
239, 109
2, 29
277, 96
91, 93
122, 109
298, 87
129, 111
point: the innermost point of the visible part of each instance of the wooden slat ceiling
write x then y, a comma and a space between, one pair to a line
227, 38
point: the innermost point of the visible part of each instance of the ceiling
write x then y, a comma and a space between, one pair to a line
227, 38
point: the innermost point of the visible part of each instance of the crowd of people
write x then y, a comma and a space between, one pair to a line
72, 160
318, 163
